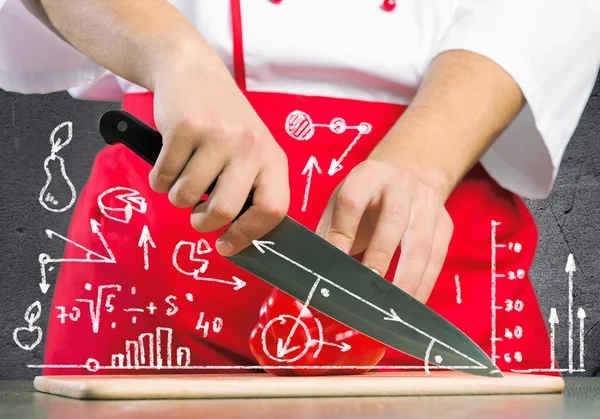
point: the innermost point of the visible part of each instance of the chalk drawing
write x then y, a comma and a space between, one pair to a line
389, 315
509, 305
128, 200
145, 240
90, 257
300, 126
217, 325
47, 199
149, 351
95, 305
311, 165
553, 321
32, 314
201, 248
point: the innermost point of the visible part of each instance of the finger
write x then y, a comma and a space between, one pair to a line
391, 225
325, 219
171, 161
417, 242
227, 198
270, 206
439, 250
348, 208
199, 173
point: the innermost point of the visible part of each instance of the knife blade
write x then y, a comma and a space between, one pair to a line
297, 261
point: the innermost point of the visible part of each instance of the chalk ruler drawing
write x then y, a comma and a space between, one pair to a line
509, 305
129, 200
553, 320
56, 203
201, 247
91, 256
31, 316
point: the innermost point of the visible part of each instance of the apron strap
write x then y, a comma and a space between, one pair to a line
238, 46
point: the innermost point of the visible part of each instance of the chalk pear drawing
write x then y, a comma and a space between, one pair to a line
31, 316
52, 192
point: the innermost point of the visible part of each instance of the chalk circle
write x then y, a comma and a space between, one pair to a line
281, 320
299, 126
338, 125
438, 359
364, 128
92, 365
325, 292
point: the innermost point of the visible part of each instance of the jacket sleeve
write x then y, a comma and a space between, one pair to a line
551, 48
33, 59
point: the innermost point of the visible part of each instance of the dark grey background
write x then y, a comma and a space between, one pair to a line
569, 220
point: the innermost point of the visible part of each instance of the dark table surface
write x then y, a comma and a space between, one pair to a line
581, 399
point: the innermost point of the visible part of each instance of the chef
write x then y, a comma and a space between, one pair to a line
404, 132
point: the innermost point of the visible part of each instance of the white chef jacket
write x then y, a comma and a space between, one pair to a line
353, 49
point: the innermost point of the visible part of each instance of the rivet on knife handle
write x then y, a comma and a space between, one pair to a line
119, 126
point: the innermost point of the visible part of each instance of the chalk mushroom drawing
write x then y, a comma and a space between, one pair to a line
90, 255
51, 195
128, 200
31, 316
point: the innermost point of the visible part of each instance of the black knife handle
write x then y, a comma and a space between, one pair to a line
118, 126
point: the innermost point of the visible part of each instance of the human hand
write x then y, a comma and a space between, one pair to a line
210, 131
380, 206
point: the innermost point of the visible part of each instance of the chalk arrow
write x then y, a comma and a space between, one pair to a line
336, 165
145, 240
308, 171
553, 320
581, 316
261, 245
344, 347
393, 316
282, 350
237, 282
570, 268
44, 286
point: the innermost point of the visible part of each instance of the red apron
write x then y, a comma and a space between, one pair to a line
153, 295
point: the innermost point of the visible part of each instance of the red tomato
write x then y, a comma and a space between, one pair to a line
290, 341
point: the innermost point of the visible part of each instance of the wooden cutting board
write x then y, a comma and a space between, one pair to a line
220, 386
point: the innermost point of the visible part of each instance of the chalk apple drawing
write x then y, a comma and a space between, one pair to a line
31, 317
49, 200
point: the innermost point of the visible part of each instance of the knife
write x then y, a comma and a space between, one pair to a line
297, 261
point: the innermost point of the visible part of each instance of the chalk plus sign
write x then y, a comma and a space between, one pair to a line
151, 307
